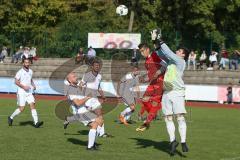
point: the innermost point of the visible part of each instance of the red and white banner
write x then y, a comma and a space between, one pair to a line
222, 93
114, 40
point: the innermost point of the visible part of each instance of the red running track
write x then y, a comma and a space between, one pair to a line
192, 104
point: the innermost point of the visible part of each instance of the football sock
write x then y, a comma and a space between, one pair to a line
34, 115
15, 113
170, 128
91, 137
126, 111
100, 130
128, 115
182, 128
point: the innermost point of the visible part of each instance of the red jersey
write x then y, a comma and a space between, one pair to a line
153, 63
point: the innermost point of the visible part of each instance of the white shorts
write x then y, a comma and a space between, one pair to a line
173, 103
93, 104
84, 115
23, 98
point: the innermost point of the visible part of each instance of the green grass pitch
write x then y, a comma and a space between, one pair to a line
213, 134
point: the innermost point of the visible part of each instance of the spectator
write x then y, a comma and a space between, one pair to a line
80, 57
202, 59
17, 55
192, 60
229, 94
91, 55
26, 54
212, 60
134, 60
32, 54
234, 58
224, 59
3, 54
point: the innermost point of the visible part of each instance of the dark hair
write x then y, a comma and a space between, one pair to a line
96, 60
135, 66
24, 59
185, 51
143, 45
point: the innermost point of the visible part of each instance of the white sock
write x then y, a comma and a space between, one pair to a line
100, 130
91, 137
126, 111
128, 115
15, 113
182, 128
170, 128
35, 116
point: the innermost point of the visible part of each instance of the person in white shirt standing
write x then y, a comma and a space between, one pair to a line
25, 88
91, 55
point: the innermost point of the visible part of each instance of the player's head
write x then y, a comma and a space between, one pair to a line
72, 78
96, 66
182, 52
135, 70
144, 49
26, 63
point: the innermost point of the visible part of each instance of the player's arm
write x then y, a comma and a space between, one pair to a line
100, 91
33, 84
161, 70
17, 82
80, 102
138, 91
118, 88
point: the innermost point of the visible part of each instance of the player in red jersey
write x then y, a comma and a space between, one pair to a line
151, 101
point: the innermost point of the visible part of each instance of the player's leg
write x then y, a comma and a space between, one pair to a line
93, 132
21, 102
128, 114
154, 107
130, 102
167, 109
101, 128
70, 119
31, 101
179, 110
92, 136
141, 112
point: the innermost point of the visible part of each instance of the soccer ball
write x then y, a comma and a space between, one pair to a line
122, 10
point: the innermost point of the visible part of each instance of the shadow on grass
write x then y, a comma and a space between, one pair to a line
82, 132
77, 141
162, 146
26, 123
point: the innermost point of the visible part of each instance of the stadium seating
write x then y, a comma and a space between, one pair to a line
57, 68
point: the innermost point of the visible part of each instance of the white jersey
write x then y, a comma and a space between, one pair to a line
92, 83
25, 78
74, 92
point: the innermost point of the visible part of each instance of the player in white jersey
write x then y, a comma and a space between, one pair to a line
128, 90
81, 112
25, 88
92, 85
173, 100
